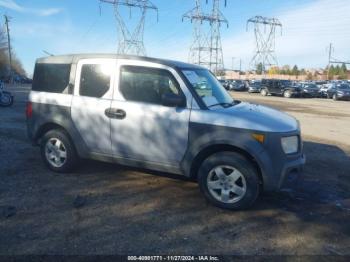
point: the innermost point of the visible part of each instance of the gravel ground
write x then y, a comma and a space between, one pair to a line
109, 209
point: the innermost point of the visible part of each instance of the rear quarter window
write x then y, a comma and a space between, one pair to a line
52, 78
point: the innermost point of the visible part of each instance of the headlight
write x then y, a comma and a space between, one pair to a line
290, 144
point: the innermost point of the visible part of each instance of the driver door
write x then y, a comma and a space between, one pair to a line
145, 130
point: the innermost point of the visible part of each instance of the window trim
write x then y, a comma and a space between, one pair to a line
178, 87
95, 61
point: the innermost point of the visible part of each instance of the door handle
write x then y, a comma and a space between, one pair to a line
115, 113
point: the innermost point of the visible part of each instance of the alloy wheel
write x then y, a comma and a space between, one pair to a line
226, 184
55, 152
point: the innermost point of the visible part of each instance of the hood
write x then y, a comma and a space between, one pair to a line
344, 91
250, 116
311, 88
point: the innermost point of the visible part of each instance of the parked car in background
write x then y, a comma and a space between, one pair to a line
310, 90
26, 80
225, 84
279, 87
320, 84
324, 90
339, 92
254, 86
238, 85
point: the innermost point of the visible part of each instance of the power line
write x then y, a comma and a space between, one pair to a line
265, 38
332, 60
131, 42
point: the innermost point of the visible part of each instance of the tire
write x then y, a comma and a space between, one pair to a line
263, 92
58, 152
287, 94
335, 98
241, 192
6, 99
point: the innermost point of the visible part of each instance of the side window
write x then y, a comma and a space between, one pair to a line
94, 80
147, 85
52, 78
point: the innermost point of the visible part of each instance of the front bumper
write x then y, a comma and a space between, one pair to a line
344, 97
295, 93
253, 90
292, 173
280, 170
311, 94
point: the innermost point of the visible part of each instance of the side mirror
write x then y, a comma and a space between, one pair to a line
173, 100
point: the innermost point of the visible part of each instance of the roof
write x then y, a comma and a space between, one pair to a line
74, 58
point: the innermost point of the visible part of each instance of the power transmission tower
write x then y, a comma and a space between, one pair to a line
206, 48
7, 20
131, 42
265, 36
332, 60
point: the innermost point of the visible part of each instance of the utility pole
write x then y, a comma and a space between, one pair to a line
330, 53
206, 48
233, 63
332, 60
131, 42
329, 59
240, 67
7, 20
265, 36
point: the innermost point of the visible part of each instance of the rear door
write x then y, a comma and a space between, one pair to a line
93, 94
275, 87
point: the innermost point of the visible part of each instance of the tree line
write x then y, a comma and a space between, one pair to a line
339, 72
17, 67
333, 72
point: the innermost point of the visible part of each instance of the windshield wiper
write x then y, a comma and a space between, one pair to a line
223, 104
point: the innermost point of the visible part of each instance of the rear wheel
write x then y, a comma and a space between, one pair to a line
228, 180
263, 92
58, 151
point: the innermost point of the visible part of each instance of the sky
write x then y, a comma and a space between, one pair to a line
85, 26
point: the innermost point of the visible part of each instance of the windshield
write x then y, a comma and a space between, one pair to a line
256, 84
311, 86
344, 87
208, 87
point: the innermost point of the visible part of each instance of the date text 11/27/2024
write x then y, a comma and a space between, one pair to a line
173, 258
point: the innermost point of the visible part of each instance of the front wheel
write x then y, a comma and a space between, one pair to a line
263, 92
58, 152
6, 99
228, 180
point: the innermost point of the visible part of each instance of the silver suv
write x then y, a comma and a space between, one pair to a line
161, 115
